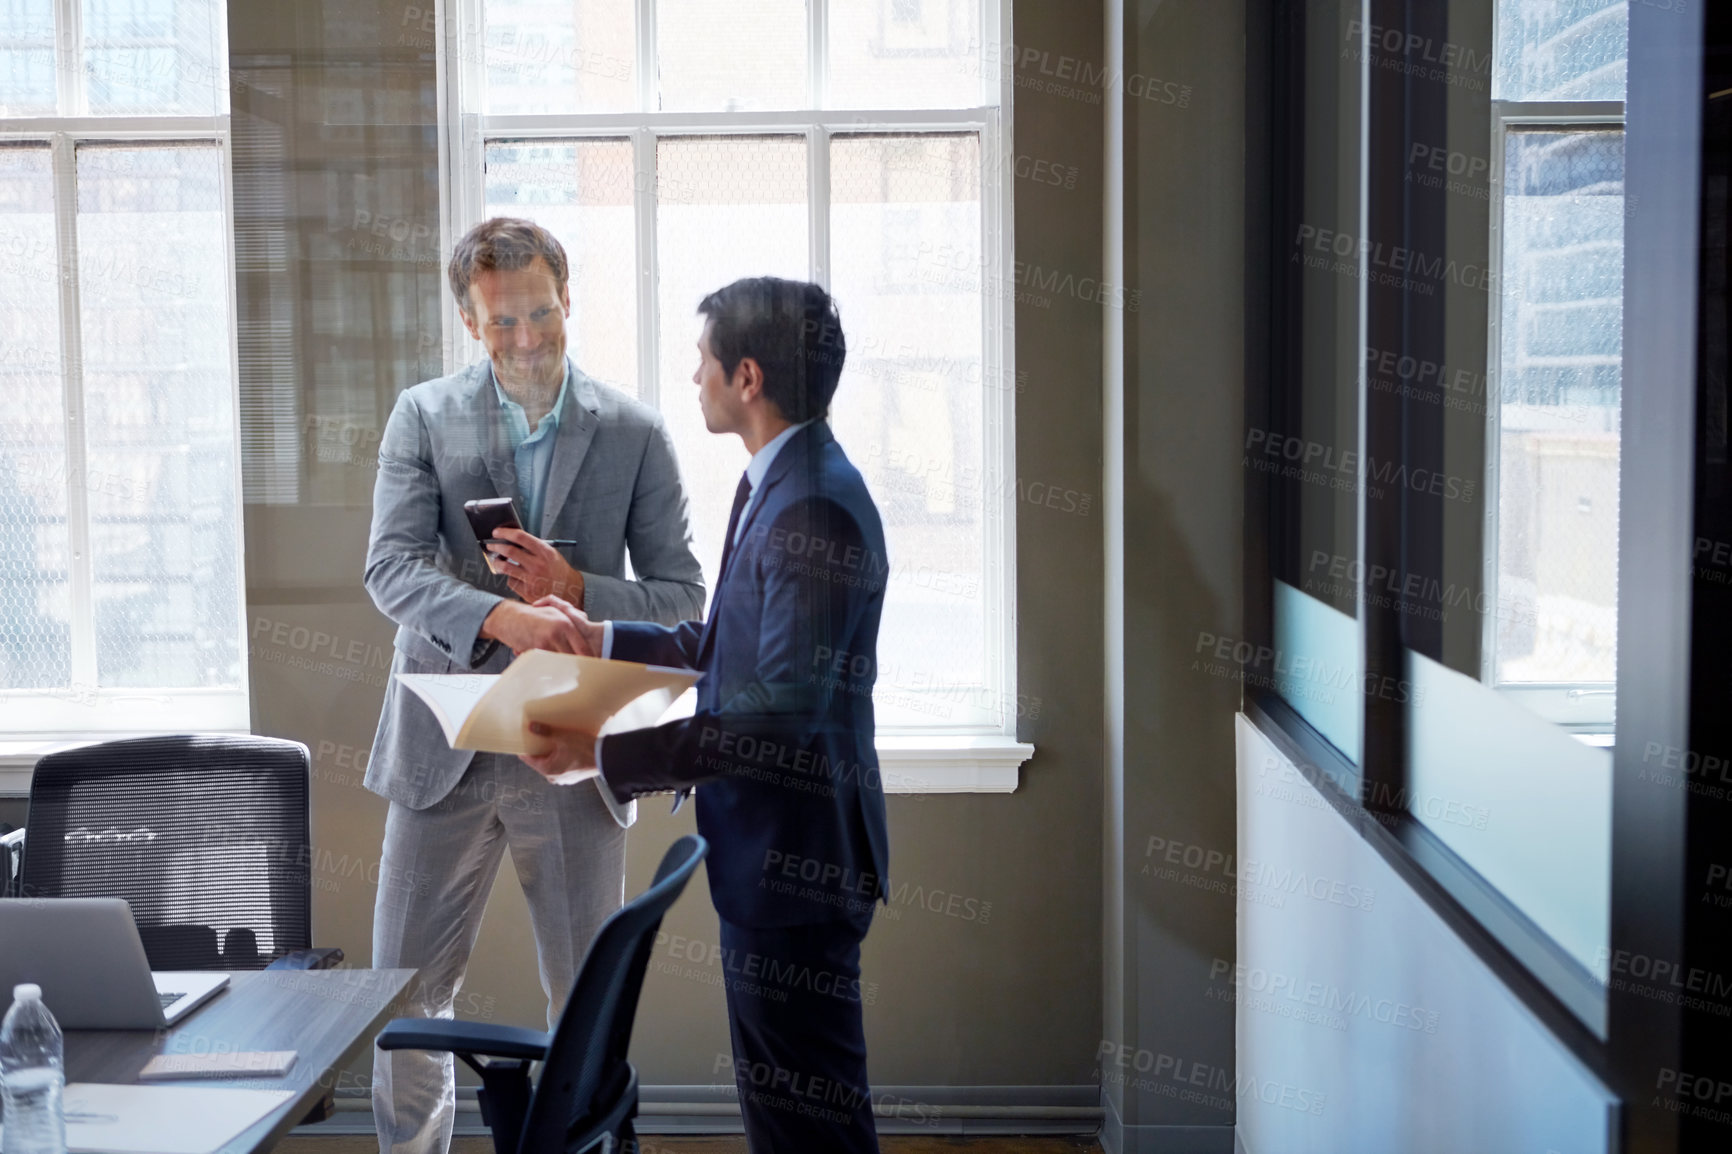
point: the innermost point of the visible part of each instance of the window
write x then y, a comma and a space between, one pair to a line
1526, 803
676, 145
120, 604
1557, 358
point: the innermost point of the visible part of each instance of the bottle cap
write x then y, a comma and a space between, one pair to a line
25, 991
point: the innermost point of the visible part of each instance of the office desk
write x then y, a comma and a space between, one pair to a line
326, 1016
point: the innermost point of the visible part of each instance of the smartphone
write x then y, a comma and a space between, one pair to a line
487, 515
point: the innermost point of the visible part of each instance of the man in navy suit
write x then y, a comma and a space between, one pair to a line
782, 737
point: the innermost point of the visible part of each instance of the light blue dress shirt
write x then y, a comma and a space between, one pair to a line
759, 465
533, 452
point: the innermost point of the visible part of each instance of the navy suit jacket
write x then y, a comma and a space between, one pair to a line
782, 737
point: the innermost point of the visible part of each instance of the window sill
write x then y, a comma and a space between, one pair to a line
919, 763
910, 764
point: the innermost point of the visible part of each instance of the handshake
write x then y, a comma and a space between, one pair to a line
550, 623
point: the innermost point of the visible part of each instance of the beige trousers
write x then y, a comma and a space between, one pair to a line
437, 869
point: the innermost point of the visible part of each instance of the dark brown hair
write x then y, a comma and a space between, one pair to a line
507, 243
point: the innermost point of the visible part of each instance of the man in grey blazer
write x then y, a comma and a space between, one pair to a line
584, 462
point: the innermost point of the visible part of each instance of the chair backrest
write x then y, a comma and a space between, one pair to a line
586, 1059
206, 837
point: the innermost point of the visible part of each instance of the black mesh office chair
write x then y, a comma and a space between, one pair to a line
207, 838
586, 1096
11, 858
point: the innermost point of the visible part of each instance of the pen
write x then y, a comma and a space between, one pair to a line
554, 541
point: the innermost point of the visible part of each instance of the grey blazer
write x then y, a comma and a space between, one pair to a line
613, 485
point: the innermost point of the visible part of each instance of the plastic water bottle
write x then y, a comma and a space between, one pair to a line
31, 1076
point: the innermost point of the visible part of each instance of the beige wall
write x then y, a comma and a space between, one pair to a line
335, 130
1179, 431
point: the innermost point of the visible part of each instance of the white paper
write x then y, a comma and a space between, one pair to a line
491, 713
161, 1119
451, 696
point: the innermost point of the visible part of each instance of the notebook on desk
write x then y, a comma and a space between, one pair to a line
105, 1119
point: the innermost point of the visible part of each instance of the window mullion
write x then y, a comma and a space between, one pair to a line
818, 204
463, 150
1493, 407
238, 491
998, 409
646, 172
69, 56
996, 80
817, 52
647, 97
648, 290
83, 623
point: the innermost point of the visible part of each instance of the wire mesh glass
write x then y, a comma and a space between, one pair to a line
1561, 50
27, 67
159, 415
736, 207
583, 192
35, 607
731, 57
1560, 372
155, 57
550, 56
906, 253
904, 54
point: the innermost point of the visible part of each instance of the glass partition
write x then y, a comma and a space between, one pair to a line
1309, 451
1443, 441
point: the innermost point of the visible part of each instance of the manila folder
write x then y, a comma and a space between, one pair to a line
491, 712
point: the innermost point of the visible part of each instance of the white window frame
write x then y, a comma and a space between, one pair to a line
36, 721
1585, 707
913, 760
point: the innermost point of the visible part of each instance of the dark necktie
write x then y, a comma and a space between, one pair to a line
742, 494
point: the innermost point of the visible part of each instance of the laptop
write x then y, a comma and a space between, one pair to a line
86, 955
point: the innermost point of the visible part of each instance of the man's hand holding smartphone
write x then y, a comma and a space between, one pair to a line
533, 568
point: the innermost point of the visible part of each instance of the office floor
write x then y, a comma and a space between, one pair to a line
654, 1144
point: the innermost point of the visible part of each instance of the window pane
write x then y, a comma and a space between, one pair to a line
728, 57
159, 415
1307, 456
1522, 801
154, 56
26, 57
904, 53
1561, 365
908, 409
35, 644
582, 192
1560, 50
735, 206
561, 56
